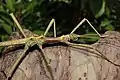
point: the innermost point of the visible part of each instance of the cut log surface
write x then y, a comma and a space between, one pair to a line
67, 63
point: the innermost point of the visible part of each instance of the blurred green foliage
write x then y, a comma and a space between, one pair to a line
35, 15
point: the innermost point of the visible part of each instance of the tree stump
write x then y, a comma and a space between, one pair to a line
67, 63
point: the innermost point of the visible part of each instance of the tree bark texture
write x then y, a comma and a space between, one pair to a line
67, 63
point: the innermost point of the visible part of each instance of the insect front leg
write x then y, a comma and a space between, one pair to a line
29, 43
18, 25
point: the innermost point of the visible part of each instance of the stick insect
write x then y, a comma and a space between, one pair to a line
39, 41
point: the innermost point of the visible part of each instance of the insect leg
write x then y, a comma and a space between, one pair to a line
81, 22
46, 63
49, 26
30, 43
18, 25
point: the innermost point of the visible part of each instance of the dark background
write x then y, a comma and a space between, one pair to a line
35, 15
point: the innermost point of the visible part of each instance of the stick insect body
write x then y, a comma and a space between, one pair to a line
40, 40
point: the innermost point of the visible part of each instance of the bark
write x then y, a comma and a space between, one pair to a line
67, 63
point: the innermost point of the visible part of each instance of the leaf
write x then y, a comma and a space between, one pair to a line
105, 22
4, 37
88, 39
39, 32
92, 39
110, 27
95, 6
7, 28
10, 5
6, 17
102, 10
5, 22
30, 6
107, 12
1, 8
66, 1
